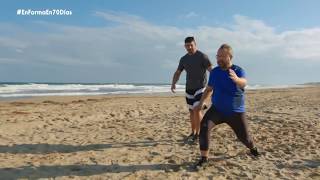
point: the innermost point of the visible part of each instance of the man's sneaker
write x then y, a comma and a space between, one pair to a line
254, 152
202, 163
195, 138
190, 137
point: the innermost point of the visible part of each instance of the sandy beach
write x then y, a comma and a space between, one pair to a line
141, 137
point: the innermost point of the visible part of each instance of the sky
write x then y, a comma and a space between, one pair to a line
141, 41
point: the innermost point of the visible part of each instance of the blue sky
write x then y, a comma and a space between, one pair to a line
276, 42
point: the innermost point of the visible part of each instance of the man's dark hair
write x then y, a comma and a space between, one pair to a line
189, 39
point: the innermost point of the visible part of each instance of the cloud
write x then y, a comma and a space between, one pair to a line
245, 24
303, 44
191, 15
132, 49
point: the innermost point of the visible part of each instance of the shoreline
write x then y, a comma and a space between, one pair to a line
155, 94
82, 97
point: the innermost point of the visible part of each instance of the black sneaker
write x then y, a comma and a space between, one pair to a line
254, 152
190, 137
195, 138
202, 163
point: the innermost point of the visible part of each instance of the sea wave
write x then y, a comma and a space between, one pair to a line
35, 89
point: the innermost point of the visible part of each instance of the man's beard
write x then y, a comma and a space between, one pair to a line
222, 65
190, 51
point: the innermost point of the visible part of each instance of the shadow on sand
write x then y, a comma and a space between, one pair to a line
62, 148
47, 171
32, 172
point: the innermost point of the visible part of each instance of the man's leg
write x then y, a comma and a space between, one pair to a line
190, 100
192, 122
193, 97
239, 125
210, 119
204, 137
197, 117
197, 114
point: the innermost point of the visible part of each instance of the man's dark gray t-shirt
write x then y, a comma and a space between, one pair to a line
195, 66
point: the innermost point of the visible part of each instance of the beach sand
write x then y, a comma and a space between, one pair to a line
141, 137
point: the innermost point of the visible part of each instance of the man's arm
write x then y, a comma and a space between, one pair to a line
207, 93
240, 82
207, 63
175, 79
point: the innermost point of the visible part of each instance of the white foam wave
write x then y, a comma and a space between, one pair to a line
22, 90
257, 86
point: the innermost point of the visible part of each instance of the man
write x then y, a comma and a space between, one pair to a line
195, 63
227, 82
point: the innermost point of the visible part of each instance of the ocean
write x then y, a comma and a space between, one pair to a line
17, 90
